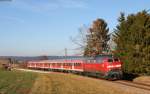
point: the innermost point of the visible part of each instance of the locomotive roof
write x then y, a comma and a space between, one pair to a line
104, 56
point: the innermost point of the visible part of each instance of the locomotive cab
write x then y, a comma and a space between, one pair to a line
114, 69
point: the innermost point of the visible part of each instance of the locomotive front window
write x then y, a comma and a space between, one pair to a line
116, 59
110, 60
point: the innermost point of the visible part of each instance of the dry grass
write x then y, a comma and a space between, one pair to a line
42, 85
142, 79
56, 83
16, 82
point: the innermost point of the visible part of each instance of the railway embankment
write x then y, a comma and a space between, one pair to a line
24, 81
62, 83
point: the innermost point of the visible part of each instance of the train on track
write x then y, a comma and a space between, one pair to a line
103, 66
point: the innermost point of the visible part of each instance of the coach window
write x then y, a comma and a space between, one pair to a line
87, 61
91, 61
94, 61
78, 64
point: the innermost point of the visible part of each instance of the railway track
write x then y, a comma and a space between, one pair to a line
134, 84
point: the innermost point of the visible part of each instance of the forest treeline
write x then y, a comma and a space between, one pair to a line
131, 37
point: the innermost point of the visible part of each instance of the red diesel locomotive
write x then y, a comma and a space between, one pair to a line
104, 66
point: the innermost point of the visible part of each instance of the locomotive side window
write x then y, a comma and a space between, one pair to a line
99, 60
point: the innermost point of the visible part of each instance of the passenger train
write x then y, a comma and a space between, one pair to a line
103, 66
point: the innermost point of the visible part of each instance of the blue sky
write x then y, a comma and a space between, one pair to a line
44, 27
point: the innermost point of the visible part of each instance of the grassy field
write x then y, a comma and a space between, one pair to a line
17, 82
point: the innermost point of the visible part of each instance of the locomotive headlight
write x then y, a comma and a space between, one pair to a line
118, 65
114, 66
110, 66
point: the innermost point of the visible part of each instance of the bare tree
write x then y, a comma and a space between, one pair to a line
93, 41
81, 40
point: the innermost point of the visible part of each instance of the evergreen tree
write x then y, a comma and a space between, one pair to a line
132, 36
